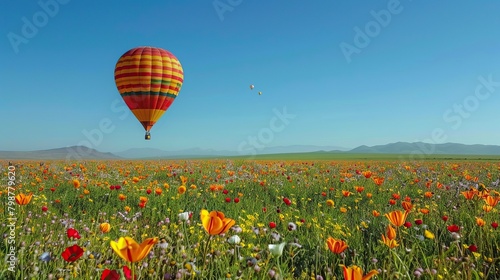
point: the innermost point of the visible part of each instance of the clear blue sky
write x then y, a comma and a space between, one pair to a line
411, 78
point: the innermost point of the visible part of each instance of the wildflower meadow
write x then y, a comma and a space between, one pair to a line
250, 219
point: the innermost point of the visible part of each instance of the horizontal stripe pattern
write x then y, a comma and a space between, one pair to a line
149, 69
148, 79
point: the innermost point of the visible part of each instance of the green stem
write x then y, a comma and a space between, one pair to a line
205, 251
185, 235
279, 268
133, 270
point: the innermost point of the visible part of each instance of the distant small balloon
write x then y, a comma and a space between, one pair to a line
251, 86
260, 92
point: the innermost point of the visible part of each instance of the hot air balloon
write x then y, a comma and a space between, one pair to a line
252, 86
260, 92
148, 79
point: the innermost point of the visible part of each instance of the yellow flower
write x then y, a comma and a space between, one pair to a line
215, 222
330, 203
131, 251
391, 243
429, 234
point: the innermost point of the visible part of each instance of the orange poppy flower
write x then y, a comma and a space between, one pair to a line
346, 193
492, 200
215, 222
469, 194
375, 213
356, 273
367, 174
378, 180
391, 232
359, 189
407, 205
424, 211
397, 218
158, 191
428, 194
336, 246
131, 251
181, 189
23, 199
480, 222
183, 179
105, 227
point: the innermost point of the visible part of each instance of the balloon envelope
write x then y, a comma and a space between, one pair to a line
251, 86
148, 79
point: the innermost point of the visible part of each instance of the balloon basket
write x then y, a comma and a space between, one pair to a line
147, 136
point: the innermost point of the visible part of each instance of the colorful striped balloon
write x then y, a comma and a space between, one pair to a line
148, 79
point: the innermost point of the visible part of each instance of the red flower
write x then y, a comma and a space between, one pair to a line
392, 201
418, 222
494, 225
148, 191
473, 248
445, 218
117, 187
236, 200
115, 275
73, 233
407, 225
72, 253
111, 188
287, 201
228, 199
142, 204
45, 208
272, 224
264, 209
110, 275
225, 191
453, 228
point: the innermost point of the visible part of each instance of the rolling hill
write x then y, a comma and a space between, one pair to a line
400, 148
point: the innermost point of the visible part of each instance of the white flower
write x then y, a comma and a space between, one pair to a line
276, 249
235, 239
184, 216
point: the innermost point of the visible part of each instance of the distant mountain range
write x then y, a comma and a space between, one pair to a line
74, 152
80, 152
